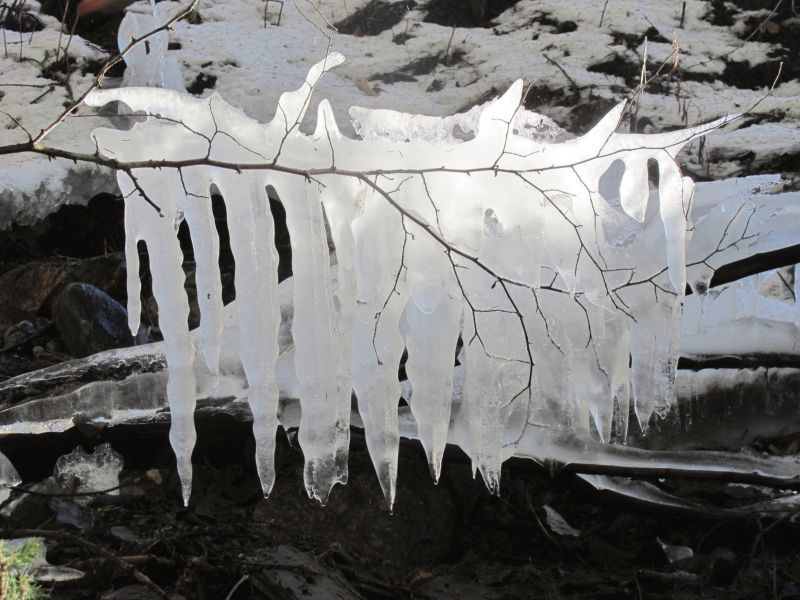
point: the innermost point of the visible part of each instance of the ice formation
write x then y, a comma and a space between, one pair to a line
559, 266
82, 472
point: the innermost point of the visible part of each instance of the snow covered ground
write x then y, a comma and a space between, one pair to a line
578, 59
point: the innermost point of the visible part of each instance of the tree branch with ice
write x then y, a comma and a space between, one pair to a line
433, 241
560, 266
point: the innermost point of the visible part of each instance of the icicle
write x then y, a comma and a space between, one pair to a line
495, 351
557, 257
132, 239
341, 201
431, 337
634, 188
252, 233
674, 194
196, 204
380, 239
158, 231
315, 333
655, 339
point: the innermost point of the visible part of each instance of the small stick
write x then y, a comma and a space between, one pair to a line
447, 50
280, 12
603, 14
560, 68
61, 31
683, 15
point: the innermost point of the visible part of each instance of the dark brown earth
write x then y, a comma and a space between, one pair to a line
451, 540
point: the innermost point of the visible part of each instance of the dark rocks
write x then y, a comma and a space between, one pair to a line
18, 334
17, 343
26, 291
375, 17
90, 320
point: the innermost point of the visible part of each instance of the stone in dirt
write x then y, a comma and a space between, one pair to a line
17, 334
90, 320
27, 291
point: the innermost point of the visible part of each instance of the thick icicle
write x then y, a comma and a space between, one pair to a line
315, 333
560, 257
380, 237
158, 230
196, 206
252, 233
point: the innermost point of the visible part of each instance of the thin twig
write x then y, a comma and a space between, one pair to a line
37, 142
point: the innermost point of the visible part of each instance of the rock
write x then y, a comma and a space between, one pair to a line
26, 291
41, 353
90, 320
16, 334
54, 345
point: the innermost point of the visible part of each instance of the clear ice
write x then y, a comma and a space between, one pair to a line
82, 472
559, 266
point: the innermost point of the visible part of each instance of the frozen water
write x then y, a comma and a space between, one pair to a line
555, 262
81, 472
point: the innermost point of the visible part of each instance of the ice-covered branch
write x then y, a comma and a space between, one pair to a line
434, 240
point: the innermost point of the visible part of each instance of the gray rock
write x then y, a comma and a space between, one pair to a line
27, 291
18, 333
90, 320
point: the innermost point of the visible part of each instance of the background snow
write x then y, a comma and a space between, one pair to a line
576, 69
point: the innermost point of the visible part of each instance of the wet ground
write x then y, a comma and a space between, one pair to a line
451, 540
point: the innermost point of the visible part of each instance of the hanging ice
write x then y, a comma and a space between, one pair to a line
553, 262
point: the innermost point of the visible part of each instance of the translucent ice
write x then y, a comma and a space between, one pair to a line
558, 265
81, 472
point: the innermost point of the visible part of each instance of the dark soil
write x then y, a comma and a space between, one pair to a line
448, 540
374, 18
463, 13
420, 66
202, 83
17, 16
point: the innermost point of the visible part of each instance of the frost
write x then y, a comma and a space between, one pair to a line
558, 265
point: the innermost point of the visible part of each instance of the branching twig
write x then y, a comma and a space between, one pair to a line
37, 141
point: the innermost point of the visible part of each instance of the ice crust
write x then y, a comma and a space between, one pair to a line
553, 262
